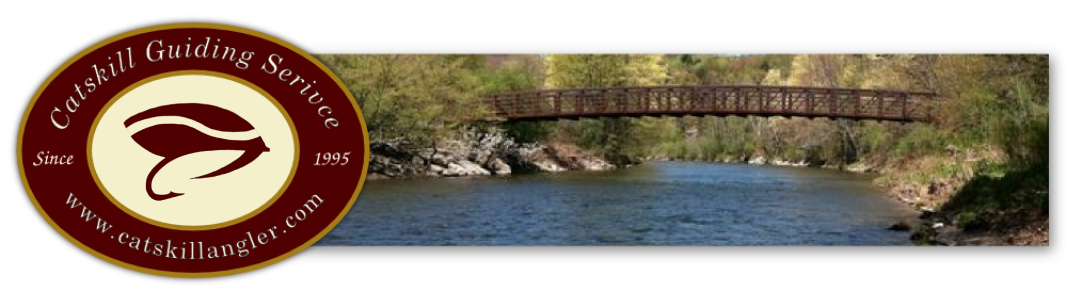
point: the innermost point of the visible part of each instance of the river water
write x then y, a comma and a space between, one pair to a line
653, 204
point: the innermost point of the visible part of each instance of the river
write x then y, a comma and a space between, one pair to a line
669, 203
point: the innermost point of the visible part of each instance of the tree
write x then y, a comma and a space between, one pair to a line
516, 74
620, 139
416, 99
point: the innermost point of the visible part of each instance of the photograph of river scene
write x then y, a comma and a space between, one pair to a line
700, 150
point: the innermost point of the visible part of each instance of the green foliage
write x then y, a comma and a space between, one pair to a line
989, 194
966, 219
1023, 128
420, 99
922, 139
512, 76
874, 138
529, 131
596, 71
726, 70
977, 116
999, 100
613, 137
517, 76
985, 99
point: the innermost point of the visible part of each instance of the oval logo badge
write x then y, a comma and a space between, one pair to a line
193, 150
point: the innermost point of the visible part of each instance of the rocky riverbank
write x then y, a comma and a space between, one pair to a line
860, 167
472, 155
964, 202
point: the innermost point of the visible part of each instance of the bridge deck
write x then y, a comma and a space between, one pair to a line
713, 100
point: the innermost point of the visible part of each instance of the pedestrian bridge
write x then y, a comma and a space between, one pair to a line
785, 101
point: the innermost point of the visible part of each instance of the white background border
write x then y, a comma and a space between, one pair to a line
37, 37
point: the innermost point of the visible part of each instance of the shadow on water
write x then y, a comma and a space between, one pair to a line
654, 204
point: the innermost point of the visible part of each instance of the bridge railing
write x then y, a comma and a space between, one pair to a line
713, 100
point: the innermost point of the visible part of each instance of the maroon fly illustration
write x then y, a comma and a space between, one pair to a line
172, 141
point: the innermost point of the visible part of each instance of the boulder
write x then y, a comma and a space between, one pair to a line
786, 163
464, 168
388, 149
860, 168
594, 164
474, 169
499, 168
549, 166
480, 156
900, 226
453, 170
433, 168
376, 176
442, 159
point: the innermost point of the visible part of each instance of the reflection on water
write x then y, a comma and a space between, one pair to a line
655, 204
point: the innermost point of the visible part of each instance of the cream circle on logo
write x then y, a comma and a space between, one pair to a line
216, 174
